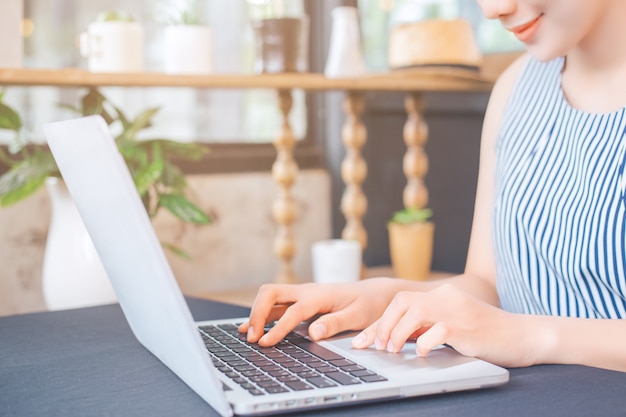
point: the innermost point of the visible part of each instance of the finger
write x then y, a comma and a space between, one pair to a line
267, 298
332, 323
366, 337
435, 336
293, 315
276, 313
392, 315
408, 325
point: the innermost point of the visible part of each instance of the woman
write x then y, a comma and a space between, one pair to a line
545, 280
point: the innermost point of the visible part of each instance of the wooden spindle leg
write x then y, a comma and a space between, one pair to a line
354, 169
415, 163
284, 210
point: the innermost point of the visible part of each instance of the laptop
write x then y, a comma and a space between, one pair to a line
211, 357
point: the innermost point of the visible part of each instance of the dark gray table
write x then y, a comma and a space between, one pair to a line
86, 362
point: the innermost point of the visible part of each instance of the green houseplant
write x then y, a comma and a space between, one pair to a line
159, 181
411, 235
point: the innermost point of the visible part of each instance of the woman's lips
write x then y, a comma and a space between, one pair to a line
527, 30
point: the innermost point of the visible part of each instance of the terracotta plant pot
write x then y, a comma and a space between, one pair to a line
411, 249
281, 45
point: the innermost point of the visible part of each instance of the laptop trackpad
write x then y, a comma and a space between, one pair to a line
406, 360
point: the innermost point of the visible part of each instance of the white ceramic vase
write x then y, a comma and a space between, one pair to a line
113, 46
72, 275
187, 49
345, 58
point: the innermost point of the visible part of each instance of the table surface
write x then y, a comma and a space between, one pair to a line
86, 362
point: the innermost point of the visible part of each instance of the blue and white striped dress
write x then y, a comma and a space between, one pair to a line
560, 203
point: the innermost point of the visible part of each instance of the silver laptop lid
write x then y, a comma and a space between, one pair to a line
105, 195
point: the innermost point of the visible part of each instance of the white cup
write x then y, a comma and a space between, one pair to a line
113, 46
336, 261
187, 49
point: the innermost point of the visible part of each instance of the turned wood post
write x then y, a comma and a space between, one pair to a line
354, 169
284, 210
415, 162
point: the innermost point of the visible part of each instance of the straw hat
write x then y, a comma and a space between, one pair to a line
434, 42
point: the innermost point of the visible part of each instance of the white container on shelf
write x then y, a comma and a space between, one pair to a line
336, 260
113, 46
12, 50
345, 58
187, 49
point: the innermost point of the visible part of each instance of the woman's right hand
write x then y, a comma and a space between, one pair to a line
340, 307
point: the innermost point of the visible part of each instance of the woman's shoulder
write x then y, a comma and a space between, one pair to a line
499, 98
506, 81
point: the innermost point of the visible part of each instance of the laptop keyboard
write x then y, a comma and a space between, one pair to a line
294, 364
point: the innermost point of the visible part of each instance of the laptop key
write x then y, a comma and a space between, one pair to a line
373, 378
352, 368
326, 369
276, 389
321, 382
297, 385
342, 379
340, 363
286, 378
362, 372
316, 349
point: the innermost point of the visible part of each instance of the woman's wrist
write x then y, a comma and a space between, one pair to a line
540, 338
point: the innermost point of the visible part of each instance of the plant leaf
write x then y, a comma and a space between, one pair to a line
92, 102
173, 177
176, 250
9, 119
411, 215
26, 177
188, 151
141, 122
20, 190
146, 176
179, 206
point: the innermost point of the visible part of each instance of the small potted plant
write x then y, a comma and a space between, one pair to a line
113, 43
187, 41
281, 32
411, 235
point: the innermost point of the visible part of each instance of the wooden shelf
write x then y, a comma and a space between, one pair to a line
425, 79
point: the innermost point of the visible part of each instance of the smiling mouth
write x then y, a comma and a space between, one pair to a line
526, 30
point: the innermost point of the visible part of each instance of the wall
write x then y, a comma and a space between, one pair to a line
455, 122
232, 253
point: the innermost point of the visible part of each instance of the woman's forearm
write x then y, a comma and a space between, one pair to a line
475, 286
593, 342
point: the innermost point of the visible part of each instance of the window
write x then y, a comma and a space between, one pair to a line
378, 16
225, 116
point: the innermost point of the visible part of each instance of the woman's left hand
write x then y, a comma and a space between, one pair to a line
448, 315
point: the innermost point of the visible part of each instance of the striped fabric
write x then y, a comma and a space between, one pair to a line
560, 205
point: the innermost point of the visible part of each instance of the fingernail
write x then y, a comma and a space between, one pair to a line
359, 340
390, 347
250, 334
318, 331
379, 345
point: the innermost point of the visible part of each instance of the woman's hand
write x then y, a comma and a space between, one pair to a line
448, 315
341, 307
